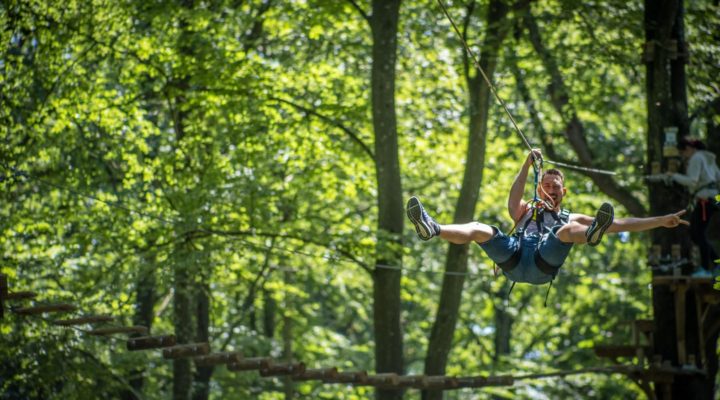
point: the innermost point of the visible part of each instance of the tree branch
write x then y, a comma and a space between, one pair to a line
205, 232
574, 129
359, 10
466, 22
545, 138
713, 105
355, 138
250, 295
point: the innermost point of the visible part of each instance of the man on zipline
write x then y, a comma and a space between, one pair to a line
545, 232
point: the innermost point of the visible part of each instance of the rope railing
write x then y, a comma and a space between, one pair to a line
268, 367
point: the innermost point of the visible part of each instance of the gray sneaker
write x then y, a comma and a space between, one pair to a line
425, 226
603, 219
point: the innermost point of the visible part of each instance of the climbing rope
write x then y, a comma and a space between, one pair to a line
502, 103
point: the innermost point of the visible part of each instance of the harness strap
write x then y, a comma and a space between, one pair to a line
513, 261
544, 266
547, 293
510, 291
710, 185
703, 205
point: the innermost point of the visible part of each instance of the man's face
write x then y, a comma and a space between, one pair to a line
552, 188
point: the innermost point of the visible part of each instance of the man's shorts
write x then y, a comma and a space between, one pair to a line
501, 247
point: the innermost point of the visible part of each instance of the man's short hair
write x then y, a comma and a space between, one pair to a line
690, 142
556, 172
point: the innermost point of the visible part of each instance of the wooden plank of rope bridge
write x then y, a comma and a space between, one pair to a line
119, 329
316, 374
186, 350
658, 375
89, 319
218, 358
386, 380
250, 364
21, 295
150, 342
482, 381
355, 377
441, 382
615, 351
682, 279
62, 307
413, 381
290, 368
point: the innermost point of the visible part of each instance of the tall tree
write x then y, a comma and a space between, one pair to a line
443, 330
667, 110
386, 282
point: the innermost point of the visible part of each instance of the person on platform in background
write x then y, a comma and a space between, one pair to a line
701, 177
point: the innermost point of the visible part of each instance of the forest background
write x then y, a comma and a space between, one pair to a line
235, 172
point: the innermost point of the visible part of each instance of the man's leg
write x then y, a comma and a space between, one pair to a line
427, 228
574, 232
466, 233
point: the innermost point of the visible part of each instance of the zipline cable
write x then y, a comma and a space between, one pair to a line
247, 243
482, 72
502, 103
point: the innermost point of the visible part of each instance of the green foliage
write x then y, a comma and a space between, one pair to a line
266, 199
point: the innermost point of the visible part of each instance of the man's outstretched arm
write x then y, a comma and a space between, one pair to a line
644, 224
516, 205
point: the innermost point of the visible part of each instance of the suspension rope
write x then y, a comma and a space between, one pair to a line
18, 174
482, 72
502, 103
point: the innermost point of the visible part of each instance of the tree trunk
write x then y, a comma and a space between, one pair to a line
443, 328
386, 282
287, 354
145, 299
667, 107
201, 390
183, 320
269, 311
503, 327
185, 252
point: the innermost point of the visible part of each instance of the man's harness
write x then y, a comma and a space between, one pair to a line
561, 218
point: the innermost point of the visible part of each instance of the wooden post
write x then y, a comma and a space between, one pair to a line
701, 334
655, 168
250, 364
218, 358
655, 254
119, 329
63, 307
150, 342
680, 291
675, 252
90, 319
186, 350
